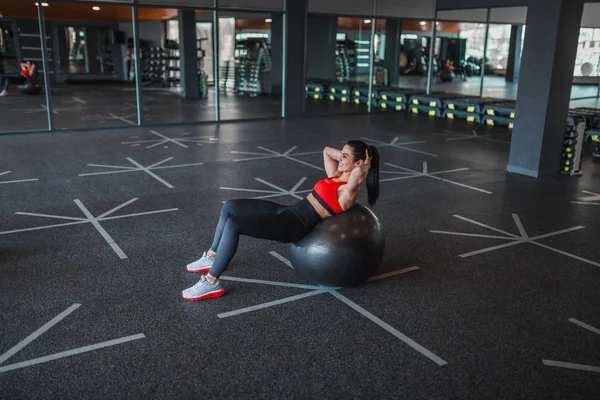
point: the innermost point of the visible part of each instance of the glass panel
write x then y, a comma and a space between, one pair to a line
22, 102
586, 74
401, 64
496, 83
460, 53
338, 56
250, 65
176, 66
92, 50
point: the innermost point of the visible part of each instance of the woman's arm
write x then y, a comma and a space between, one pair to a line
349, 192
330, 157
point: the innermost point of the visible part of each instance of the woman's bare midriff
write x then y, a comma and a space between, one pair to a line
320, 209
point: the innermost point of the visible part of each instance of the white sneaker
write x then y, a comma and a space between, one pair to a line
202, 265
203, 290
3, 93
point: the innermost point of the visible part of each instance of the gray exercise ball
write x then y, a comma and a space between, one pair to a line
342, 250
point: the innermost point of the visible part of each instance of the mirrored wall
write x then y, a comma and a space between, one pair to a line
114, 65
364, 64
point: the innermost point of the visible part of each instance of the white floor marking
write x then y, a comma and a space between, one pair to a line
179, 141
425, 173
271, 283
580, 367
101, 230
140, 168
43, 108
389, 328
95, 221
515, 239
585, 326
279, 191
124, 118
15, 349
316, 290
15, 181
402, 146
77, 99
393, 273
270, 304
592, 200
70, 353
475, 135
281, 258
268, 153
520, 226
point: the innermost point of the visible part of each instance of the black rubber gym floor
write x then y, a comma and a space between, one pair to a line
91, 304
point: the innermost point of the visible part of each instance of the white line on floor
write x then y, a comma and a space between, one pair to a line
152, 174
389, 328
50, 216
101, 230
486, 250
122, 119
77, 99
393, 273
487, 226
474, 235
117, 208
520, 226
70, 353
270, 304
140, 214
272, 283
43, 227
585, 326
560, 364
38, 333
281, 258
564, 253
459, 184
20, 181
547, 235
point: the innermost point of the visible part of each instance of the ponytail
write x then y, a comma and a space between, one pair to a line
373, 176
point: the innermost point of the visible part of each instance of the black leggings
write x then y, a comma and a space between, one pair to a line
18, 81
259, 219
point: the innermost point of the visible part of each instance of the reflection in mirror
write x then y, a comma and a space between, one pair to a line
338, 64
250, 65
22, 96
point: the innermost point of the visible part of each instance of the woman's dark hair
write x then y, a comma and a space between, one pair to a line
359, 149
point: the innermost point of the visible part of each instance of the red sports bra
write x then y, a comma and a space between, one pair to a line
325, 192
26, 73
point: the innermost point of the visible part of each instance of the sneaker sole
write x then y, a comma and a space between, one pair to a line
210, 295
199, 271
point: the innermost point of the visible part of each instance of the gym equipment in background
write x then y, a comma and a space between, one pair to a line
345, 60
343, 250
252, 66
573, 146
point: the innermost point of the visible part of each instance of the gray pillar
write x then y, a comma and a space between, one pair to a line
393, 30
513, 67
543, 97
297, 11
320, 48
188, 54
276, 53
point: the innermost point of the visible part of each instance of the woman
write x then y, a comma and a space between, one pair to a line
28, 71
347, 169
